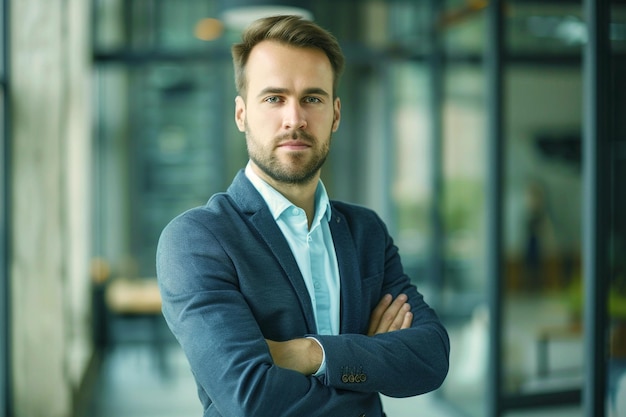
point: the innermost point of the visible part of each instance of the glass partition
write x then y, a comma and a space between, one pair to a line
162, 150
464, 278
542, 305
166, 135
411, 149
415, 127
542, 331
463, 198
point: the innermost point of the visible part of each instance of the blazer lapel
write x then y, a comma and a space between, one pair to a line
251, 203
348, 272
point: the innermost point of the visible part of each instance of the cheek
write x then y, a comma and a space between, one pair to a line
260, 119
261, 126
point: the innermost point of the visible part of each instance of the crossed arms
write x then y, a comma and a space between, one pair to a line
304, 355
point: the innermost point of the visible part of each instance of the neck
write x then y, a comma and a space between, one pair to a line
300, 195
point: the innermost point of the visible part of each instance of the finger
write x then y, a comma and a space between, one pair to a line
408, 320
390, 314
377, 314
400, 318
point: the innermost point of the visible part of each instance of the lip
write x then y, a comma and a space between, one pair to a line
296, 145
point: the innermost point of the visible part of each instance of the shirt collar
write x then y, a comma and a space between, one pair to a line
277, 202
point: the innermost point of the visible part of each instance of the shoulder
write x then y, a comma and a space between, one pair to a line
240, 198
179, 229
218, 210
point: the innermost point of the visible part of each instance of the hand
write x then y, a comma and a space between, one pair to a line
390, 315
301, 355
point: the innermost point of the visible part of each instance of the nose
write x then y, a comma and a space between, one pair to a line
294, 116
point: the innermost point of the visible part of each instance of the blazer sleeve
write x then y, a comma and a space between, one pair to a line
225, 347
401, 363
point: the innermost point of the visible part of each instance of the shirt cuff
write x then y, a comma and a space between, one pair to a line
322, 369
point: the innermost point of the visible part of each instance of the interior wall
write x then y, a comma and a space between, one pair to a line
51, 158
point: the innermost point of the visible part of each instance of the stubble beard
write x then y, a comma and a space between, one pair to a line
299, 170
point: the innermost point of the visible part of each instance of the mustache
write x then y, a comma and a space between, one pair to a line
295, 135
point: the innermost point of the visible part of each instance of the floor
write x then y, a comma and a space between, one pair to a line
139, 378
133, 383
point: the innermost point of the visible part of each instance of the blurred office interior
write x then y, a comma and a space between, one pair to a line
489, 135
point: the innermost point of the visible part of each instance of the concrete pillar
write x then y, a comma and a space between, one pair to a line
50, 179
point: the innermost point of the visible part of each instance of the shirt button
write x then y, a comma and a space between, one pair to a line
317, 285
295, 211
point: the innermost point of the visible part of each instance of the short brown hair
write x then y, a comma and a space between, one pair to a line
289, 30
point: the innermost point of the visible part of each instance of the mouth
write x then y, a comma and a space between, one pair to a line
294, 145
296, 141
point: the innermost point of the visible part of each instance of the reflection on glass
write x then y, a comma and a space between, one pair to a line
411, 191
535, 27
542, 346
162, 151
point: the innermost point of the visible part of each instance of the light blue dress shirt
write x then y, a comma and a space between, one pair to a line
312, 248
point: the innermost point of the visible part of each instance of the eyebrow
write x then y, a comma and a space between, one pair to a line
278, 90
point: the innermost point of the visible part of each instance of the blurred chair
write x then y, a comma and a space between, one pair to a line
127, 311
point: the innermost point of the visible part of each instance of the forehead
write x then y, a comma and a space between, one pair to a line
279, 65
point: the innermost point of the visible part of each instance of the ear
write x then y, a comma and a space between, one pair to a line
336, 114
240, 113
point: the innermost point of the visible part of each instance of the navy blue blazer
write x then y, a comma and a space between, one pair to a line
228, 280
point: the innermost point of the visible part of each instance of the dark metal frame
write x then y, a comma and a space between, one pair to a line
596, 204
5, 327
436, 66
495, 184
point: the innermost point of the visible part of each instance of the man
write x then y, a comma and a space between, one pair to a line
286, 303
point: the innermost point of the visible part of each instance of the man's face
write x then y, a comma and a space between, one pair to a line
289, 113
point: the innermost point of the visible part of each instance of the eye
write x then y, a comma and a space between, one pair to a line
272, 99
310, 99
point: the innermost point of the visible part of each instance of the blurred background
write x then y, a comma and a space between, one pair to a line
489, 135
